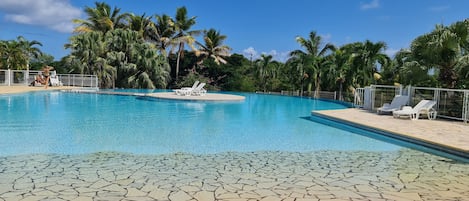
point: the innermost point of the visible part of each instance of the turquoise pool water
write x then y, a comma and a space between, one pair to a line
74, 123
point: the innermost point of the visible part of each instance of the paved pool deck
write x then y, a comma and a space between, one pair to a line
446, 134
206, 97
23, 89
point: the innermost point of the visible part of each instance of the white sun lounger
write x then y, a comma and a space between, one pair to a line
199, 90
424, 107
396, 104
54, 79
186, 91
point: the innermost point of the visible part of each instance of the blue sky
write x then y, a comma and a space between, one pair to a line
252, 26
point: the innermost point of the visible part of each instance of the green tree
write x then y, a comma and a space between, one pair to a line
184, 35
88, 56
142, 25
101, 18
213, 47
298, 63
17, 54
266, 70
445, 50
365, 60
29, 49
316, 54
150, 70
163, 33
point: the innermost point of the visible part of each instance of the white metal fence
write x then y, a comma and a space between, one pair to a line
25, 77
451, 103
332, 95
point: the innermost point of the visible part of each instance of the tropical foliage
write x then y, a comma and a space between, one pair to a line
128, 50
17, 54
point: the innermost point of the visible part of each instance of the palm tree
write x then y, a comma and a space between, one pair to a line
298, 63
365, 60
264, 69
338, 70
317, 54
13, 56
29, 49
142, 25
445, 49
184, 35
86, 51
163, 33
101, 18
213, 47
151, 70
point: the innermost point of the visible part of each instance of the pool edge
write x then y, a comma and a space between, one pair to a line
399, 136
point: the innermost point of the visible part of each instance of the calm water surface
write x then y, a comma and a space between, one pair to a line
72, 123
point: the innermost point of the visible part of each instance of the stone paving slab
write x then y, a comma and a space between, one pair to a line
444, 133
23, 89
206, 97
323, 175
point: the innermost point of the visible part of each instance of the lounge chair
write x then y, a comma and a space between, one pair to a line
396, 104
199, 90
54, 79
424, 107
186, 91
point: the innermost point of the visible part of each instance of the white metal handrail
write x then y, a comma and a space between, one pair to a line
25, 77
446, 99
465, 110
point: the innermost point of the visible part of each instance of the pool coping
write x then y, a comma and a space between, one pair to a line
407, 137
213, 97
206, 97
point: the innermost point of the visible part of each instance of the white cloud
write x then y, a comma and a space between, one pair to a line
391, 52
278, 56
250, 53
371, 5
54, 14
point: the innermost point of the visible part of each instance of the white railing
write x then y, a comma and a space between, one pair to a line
332, 95
359, 97
466, 107
25, 77
451, 103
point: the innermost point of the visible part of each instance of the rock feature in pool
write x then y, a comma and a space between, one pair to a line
337, 175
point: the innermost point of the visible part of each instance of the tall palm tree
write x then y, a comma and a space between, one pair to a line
184, 35
265, 70
312, 45
298, 63
86, 51
366, 57
445, 49
338, 70
13, 55
163, 33
29, 49
101, 18
142, 25
213, 47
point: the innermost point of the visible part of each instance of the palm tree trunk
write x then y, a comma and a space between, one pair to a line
177, 66
340, 91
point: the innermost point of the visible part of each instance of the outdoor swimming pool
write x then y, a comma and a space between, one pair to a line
74, 123
70, 146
